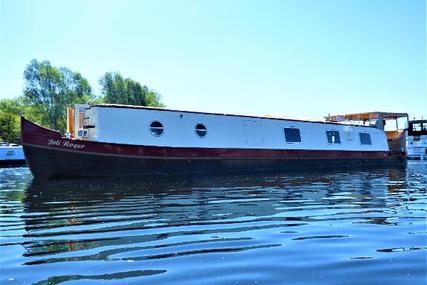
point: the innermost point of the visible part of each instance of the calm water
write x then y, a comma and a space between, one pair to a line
361, 227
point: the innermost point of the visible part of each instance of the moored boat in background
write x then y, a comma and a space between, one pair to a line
118, 140
417, 140
11, 154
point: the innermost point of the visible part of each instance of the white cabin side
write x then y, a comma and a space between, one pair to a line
417, 140
126, 125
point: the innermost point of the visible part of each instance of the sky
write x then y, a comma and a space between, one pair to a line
295, 58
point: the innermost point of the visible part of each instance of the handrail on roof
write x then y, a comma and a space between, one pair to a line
366, 116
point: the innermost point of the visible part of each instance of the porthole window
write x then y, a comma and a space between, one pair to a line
156, 128
201, 130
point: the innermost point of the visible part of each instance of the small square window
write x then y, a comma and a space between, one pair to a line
365, 138
333, 136
292, 135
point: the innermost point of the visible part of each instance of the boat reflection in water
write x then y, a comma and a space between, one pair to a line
317, 227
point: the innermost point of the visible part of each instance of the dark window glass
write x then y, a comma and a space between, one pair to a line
417, 129
365, 138
201, 130
333, 136
292, 135
156, 128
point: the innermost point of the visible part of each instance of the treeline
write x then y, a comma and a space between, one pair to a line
49, 90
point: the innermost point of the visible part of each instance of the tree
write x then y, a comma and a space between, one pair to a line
49, 90
9, 127
10, 111
117, 90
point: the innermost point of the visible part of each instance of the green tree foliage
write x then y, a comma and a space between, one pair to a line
13, 106
118, 90
9, 127
10, 112
49, 90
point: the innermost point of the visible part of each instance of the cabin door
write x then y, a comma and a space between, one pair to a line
253, 133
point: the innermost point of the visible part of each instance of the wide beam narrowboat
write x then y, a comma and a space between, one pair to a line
119, 140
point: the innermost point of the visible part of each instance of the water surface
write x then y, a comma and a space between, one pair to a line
360, 227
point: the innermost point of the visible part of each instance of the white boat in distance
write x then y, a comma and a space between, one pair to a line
119, 140
417, 139
11, 154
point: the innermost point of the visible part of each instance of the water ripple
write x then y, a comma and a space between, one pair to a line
303, 228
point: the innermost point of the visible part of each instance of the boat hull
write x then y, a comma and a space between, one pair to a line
51, 163
12, 163
51, 156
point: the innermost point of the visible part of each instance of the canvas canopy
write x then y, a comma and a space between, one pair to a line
366, 116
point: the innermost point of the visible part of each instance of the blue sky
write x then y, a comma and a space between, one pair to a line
298, 58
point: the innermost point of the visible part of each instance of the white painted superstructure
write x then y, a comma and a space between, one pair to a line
131, 125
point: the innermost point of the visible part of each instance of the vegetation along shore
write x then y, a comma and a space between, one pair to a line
48, 90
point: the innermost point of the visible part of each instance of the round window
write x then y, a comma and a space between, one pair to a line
156, 128
201, 130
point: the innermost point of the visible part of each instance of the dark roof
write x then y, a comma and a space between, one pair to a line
418, 121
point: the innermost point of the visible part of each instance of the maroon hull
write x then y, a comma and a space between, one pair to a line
50, 155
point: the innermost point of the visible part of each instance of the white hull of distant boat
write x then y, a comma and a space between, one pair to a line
11, 154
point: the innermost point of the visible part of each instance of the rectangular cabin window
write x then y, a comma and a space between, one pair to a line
417, 129
333, 136
292, 135
365, 138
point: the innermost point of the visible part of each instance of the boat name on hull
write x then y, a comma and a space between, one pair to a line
67, 144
